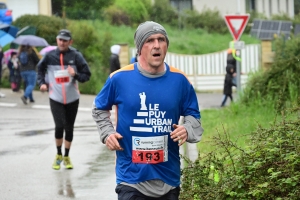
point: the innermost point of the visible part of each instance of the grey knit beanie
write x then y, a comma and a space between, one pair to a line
145, 30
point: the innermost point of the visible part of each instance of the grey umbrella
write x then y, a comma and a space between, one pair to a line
31, 40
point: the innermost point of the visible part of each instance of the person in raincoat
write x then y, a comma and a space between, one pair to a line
114, 61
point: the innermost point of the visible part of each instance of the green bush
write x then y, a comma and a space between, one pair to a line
46, 27
267, 168
116, 16
164, 13
78, 9
96, 50
209, 20
135, 9
148, 5
281, 78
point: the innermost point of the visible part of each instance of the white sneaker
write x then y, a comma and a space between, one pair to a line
2, 95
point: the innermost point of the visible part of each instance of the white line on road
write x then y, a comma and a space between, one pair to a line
8, 104
42, 107
48, 107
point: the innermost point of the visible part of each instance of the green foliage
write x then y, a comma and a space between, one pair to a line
47, 27
183, 41
163, 12
95, 50
209, 20
115, 16
148, 5
267, 168
282, 77
78, 9
135, 9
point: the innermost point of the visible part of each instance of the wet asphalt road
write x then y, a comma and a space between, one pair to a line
27, 151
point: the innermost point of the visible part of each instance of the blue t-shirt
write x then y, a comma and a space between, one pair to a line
146, 110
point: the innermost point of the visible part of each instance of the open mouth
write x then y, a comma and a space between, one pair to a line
156, 55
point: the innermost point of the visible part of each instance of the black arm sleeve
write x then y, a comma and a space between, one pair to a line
83, 72
42, 68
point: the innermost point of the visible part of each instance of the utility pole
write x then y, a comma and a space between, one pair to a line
238, 54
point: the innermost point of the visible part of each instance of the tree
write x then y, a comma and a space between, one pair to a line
80, 9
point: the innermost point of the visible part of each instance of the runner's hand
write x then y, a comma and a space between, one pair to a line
179, 134
43, 87
71, 70
112, 142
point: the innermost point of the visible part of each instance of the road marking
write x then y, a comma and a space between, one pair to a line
41, 107
8, 104
84, 109
48, 107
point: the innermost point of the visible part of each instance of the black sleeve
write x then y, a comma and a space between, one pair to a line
35, 58
10, 65
42, 69
83, 73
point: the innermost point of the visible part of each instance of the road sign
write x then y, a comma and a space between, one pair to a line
236, 24
239, 45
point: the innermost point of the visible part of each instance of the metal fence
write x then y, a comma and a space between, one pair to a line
207, 71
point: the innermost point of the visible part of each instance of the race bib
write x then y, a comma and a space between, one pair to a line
62, 76
150, 150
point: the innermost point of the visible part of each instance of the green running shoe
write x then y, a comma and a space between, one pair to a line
67, 162
57, 161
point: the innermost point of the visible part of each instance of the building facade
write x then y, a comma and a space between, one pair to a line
266, 7
34, 7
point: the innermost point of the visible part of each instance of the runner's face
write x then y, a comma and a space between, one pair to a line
154, 50
63, 45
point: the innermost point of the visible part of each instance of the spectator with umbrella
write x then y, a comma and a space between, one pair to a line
28, 61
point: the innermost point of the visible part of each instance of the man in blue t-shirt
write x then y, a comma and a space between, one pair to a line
149, 97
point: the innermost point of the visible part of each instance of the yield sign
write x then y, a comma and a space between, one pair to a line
236, 24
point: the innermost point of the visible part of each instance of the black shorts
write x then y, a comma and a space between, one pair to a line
129, 193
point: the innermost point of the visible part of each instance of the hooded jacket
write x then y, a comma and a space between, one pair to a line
114, 62
228, 80
54, 62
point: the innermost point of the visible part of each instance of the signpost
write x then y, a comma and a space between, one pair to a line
236, 25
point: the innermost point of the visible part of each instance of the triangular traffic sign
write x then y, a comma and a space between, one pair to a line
236, 24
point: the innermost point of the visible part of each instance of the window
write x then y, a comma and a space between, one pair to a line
181, 5
252, 5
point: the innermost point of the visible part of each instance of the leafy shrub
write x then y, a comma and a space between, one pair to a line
78, 9
148, 5
135, 9
268, 168
116, 16
46, 27
281, 78
96, 51
209, 20
163, 12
